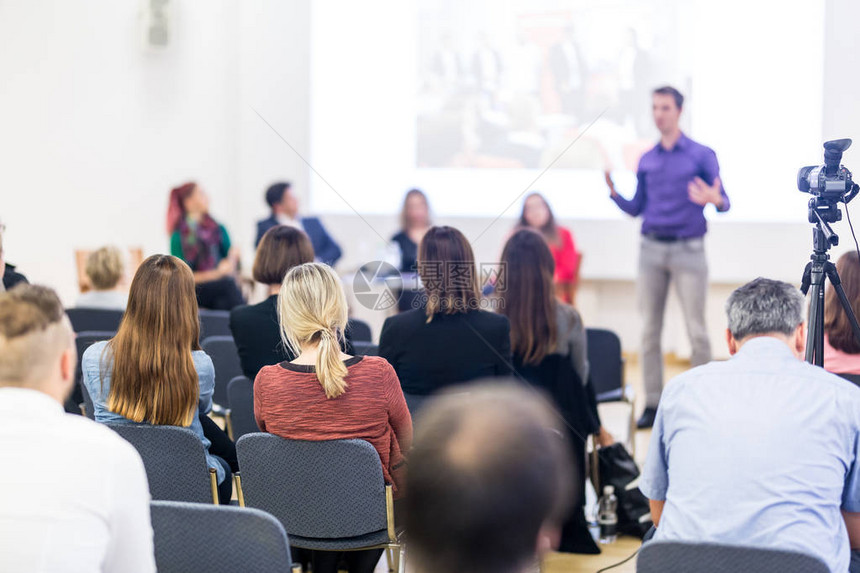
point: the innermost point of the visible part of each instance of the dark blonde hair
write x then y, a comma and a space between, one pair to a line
446, 265
104, 268
281, 248
529, 297
153, 377
312, 309
836, 324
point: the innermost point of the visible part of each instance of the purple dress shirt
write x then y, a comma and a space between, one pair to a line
661, 194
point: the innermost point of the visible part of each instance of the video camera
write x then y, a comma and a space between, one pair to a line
829, 183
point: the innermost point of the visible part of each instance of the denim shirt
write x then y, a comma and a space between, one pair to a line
99, 390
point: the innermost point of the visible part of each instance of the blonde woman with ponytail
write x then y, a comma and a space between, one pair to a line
324, 394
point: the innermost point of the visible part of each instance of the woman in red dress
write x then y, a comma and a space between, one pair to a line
537, 215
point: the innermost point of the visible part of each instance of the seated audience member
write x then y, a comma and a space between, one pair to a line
760, 450
324, 394
285, 211
255, 327
841, 349
451, 340
549, 351
153, 371
537, 215
203, 243
104, 269
10, 276
414, 223
73, 495
489, 482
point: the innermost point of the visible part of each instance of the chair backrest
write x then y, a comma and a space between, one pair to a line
328, 489
605, 363
358, 331
84, 340
676, 557
240, 398
214, 323
854, 378
225, 357
100, 319
365, 348
174, 459
194, 537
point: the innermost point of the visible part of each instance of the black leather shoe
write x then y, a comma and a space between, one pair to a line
646, 420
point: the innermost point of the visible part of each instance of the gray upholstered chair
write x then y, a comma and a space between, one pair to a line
88, 319
214, 323
175, 462
365, 348
676, 557
240, 398
329, 495
225, 358
201, 538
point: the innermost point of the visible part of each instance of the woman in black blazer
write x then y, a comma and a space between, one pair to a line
451, 340
255, 327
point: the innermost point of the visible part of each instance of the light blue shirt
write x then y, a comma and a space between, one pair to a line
759, 450
99, 388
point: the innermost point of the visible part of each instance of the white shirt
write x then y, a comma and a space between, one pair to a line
73, 494
106, 299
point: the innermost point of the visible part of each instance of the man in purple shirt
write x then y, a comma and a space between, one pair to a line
676, 181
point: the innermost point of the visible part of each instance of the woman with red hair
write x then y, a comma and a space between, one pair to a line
204, 244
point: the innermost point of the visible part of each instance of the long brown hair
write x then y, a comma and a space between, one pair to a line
153, 378
528, 297
836, 324
549, 229
446, 266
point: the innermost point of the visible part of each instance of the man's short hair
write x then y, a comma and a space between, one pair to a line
764, 306
490, 466
105, 268
669, 90
275, 193
32, 332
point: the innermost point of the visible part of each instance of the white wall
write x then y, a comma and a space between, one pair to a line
96, 129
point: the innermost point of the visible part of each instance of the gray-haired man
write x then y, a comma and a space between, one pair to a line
760, 450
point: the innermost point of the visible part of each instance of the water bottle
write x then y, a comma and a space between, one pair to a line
607, 516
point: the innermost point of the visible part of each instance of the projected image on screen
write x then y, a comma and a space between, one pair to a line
513, 88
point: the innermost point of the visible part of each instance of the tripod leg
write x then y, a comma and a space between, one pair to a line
814, 355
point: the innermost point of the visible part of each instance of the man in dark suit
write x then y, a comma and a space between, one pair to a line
285, 207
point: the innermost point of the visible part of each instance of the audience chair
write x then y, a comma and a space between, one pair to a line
214, 323
329, 495
225, 357
80, 396
676, 557
854, 378
201, 538
606, 366
240, 398
365, 349
175, 462
358, 331
89, 319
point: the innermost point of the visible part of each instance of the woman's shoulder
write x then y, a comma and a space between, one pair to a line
202, 362
400, 236
567, 317
93, 353
371, 363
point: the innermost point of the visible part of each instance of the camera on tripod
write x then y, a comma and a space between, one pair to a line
829, 183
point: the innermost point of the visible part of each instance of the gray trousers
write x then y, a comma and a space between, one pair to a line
682, 262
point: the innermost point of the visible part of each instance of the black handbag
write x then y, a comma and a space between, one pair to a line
618, 469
